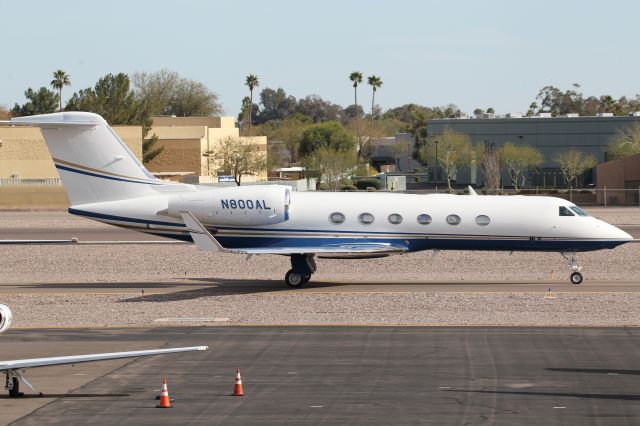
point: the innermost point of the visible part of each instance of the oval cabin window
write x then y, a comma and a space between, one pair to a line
395, 218
424, 219
483, 220
365, 218
453, 219
336, 217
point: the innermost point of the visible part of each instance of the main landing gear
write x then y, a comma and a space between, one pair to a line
302, 267
576, 275
12, 384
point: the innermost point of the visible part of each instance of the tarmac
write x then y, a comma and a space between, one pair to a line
190, 288
336, 375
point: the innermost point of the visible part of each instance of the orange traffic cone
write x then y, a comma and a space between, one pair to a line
237, 389
165, 402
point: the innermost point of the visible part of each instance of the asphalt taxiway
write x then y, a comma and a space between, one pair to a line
202, 287
338, 375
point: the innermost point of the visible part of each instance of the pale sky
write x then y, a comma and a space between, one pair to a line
471, 53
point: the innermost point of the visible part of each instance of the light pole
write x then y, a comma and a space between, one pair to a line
437, 164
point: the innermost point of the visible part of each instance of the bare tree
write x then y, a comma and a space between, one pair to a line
237, 156
491, 168
332, 166
166, 93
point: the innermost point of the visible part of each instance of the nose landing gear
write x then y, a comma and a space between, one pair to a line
576, 275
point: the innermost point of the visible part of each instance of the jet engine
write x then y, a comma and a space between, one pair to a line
242, 205
5, 318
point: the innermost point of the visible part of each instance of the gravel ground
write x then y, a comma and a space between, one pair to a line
50, 264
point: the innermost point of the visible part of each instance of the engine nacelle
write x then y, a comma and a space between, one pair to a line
242, 205
5, 318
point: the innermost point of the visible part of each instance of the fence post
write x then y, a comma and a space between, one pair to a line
605, 196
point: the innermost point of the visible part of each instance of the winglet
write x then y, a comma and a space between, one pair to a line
201, 237
472, 191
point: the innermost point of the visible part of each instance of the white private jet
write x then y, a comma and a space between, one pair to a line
106, 182
14, 369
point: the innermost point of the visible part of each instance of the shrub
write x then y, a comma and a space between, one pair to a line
365, 183
349, 188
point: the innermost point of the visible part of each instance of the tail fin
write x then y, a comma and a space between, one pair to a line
93, 162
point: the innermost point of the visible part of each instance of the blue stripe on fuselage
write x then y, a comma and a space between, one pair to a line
84, 172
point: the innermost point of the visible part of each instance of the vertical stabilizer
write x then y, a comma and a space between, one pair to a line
94, 164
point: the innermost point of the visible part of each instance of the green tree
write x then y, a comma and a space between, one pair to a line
112, 98
625, 143
375, 82
356, 78
44, 101
454, 151
516, 159
556, 102
237, 156
289, 131
60, 79
276, 105
573, 163
328, 134
331, 165
251, 81
148, 151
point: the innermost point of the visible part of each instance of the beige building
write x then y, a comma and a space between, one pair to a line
24, 155
186, 140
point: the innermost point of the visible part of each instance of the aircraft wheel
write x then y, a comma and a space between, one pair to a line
294, 280
576, 278
15, 391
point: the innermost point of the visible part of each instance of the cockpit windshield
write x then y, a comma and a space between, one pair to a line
565, 211
579, 211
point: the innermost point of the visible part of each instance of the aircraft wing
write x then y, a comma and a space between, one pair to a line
205, 241
76, 359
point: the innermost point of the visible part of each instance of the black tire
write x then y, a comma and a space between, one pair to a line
576, 278
306, 278
294, 280
15, 392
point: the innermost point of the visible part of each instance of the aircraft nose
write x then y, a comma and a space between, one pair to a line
617, 234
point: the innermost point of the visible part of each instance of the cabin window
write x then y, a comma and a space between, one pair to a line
365, 218
483, 220
579, 211
424, 219
336, 217
565, 211
395, 218
453, 219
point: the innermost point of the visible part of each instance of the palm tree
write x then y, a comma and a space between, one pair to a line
60, 79
356, 78
252, 82
375, 82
